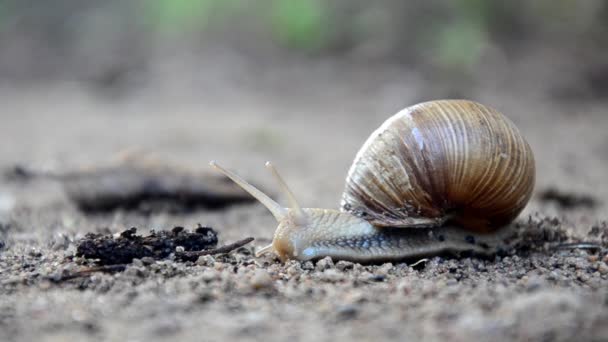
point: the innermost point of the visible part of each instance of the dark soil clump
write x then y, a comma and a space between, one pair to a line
109, 250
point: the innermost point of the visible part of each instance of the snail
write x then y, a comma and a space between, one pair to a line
440, 176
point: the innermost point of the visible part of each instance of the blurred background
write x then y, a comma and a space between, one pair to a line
116, 44
245, 81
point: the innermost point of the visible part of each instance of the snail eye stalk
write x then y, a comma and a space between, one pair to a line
297, 213
277, 211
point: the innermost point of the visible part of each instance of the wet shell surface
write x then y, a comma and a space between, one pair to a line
447, 160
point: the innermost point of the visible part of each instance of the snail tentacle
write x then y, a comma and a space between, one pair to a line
277, 211
297, 214
264, 250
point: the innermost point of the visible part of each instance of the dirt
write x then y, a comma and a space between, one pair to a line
309, 118
110, 250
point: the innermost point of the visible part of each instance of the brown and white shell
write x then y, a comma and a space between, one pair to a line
438, 161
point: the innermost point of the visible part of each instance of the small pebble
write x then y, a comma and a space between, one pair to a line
377, 277
60, 242
384, 269
533, 283
219, 265
593, 258
205, 296
347, 312
308, 265
209, 275
324, 264
344, 265
135, 271
404, 286
206, 260
294, 269
261, 280
34, 252
554, 275
332, 275
180, 249
147, 260
603, 268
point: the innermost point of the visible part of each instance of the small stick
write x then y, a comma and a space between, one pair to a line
88, 271
419, 262
591, 246
193, 256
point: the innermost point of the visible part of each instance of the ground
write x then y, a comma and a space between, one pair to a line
309, 118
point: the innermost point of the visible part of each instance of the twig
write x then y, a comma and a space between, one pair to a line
591, 246
88, 271
193, 255
419, 262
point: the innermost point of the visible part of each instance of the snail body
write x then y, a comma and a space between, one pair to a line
440, 176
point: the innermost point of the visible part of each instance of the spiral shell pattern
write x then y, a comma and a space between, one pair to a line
439, 161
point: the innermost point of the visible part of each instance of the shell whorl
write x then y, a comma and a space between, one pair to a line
453, 160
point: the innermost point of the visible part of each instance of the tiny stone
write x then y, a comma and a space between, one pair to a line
135, 271
331, 275
205, 296
355, 297
34, 252
180, 249
533, 283
404, 286
348, 311
344, 265
582, 276
147, 260
205, 260
377, 277
209, 275
308, 265
60, 242
274, 269
603, 268
593, 258
384, 269
261, 280
554, 275
294, 269
324, 264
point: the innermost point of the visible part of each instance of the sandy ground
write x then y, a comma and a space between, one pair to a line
310, 119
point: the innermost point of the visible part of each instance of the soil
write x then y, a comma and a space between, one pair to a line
309, 118
111, 250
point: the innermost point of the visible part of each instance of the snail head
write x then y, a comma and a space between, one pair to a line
292, 221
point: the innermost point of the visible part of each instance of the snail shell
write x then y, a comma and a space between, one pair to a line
438, 161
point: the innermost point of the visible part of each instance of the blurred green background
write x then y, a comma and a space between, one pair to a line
104, 40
